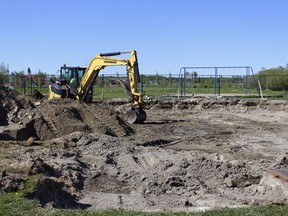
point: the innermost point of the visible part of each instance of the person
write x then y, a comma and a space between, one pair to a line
73, 86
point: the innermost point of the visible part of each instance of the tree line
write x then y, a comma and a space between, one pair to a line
275, 79
20, 78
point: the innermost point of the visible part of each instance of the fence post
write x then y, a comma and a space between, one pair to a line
219, 85
248, 81
181, 85
31, 85
216, 81
24, 84
102, 83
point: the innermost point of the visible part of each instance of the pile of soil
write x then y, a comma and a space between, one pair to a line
25, 117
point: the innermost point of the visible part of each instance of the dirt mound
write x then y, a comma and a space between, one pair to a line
43, 119
10, 183
60, 175
55, 186
67, 116
217, 103
11, 104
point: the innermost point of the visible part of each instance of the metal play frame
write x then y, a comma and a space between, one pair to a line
249, 70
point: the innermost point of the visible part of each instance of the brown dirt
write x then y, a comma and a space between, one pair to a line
189, 155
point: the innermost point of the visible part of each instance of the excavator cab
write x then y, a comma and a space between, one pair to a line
67, 73
76, 74
64, 88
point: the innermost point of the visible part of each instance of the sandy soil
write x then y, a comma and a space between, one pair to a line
189, 155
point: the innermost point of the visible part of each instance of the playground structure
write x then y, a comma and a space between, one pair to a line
189, 81
243, 73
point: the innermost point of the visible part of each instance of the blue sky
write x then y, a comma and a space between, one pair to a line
167, 35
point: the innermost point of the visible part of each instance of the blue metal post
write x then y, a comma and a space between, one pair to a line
184, 81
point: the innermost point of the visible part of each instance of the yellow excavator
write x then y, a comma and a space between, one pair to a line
84, 79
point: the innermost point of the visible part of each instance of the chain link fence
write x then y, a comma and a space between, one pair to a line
106, 86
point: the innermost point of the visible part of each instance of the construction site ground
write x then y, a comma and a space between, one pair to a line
190, 154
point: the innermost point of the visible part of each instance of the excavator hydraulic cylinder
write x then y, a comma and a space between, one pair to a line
110, 54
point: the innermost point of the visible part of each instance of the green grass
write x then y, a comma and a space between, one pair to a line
109, 92
118, 92
17, 204
29, 185
14, 204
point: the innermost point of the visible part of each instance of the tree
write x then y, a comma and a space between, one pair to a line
275, 79
40, 78
170, 79
4, 72
194, 75
157, 78
17, 79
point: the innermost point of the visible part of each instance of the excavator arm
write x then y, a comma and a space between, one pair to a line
99, 62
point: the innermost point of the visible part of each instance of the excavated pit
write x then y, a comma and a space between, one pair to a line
189, 155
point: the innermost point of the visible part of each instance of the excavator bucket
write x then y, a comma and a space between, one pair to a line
135, 116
